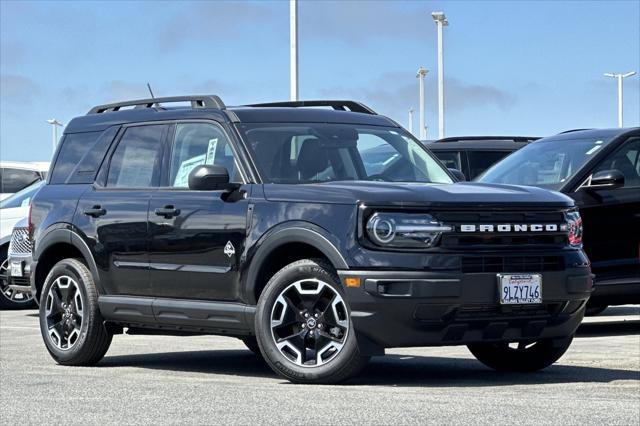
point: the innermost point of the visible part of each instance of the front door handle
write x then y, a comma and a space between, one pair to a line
95, 211
167, 212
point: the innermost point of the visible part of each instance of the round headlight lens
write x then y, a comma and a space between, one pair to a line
404, 230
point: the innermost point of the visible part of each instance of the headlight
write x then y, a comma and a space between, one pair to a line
405, 230
574, 226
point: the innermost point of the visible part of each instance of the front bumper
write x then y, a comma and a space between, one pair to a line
400, 308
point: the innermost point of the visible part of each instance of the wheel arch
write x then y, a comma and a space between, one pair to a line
288, 242
56, 245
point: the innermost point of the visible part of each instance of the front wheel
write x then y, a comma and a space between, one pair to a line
520, 356
304, 327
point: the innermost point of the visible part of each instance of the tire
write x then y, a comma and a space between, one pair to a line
527, 357
335, 356
252, 344
70, 322
593, 310
10, 299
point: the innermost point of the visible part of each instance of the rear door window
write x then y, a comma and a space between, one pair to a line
137, 159
451, 159
479, 161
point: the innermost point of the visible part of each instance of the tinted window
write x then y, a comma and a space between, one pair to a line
479, 161
74, 147
450, 159
627, 161
547, 163
321, 152
136, 161
21, 198
196, 144
13, 180
87, 167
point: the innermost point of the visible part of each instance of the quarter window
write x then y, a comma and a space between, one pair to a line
196, 144
136, 161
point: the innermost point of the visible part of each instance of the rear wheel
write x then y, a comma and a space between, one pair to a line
304, 327
72, 328
9, 298
520, 356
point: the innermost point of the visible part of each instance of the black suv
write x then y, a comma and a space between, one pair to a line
472, 155
281, 224
600, 170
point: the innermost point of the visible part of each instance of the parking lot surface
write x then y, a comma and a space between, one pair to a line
197, 380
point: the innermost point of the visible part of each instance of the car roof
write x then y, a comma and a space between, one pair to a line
478, 144
211, 107
607, 134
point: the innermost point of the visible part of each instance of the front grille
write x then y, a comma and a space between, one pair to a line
20, 241
506, 264
501, 240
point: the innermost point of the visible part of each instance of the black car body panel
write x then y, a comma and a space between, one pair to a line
175, 260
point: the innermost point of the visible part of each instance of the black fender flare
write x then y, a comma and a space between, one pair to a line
285, 233
66, 236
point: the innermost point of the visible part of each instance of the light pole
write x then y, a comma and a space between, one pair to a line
411, 120
293, 37
441, 21
54, 124
422, 72
619, 77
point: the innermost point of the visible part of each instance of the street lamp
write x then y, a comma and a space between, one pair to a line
441, 21
54, 124
422, 72
620, 77
293, 39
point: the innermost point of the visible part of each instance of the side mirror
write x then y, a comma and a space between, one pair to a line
458, 174
208, 177
606, 179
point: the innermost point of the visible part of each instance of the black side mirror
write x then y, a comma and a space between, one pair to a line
458, 174
208, 177
606, 179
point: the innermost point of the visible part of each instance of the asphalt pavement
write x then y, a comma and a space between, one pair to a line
205, 380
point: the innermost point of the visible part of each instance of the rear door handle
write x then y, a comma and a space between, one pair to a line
95, 211
167, 212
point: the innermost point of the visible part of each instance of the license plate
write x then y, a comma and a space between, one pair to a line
16, 269
519, 289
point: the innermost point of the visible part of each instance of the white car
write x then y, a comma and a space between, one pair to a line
12, 210
15, 176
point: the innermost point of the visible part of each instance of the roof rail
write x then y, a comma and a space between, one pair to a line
572, 130
352, 106
206, 101
524, 139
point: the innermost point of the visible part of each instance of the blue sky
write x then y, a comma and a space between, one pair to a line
530, 68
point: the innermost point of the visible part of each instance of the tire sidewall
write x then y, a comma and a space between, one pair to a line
68, 268
280, 281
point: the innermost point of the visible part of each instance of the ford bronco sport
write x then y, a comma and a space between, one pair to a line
281, 224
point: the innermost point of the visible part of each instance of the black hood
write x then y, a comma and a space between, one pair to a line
417, 194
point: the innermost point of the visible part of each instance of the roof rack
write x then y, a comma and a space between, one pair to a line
206, 101
352, 106
524, 139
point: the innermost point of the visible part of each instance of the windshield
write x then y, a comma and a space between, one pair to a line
321, 152
21, 198
548, 163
